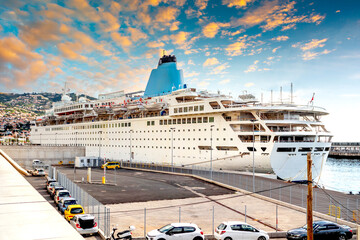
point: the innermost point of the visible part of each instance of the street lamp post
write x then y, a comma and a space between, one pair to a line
253, 150
40, 138
130, 147
172, 149
75, 156
55, 139
211, 168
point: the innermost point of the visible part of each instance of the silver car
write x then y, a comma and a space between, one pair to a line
85, 224
239, 230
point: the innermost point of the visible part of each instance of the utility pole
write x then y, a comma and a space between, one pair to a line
309, 214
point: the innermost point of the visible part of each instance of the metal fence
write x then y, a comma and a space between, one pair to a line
90, 204
335, 204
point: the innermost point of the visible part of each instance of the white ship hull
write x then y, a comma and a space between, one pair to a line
190, 128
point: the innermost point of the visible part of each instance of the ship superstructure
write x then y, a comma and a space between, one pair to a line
170, 122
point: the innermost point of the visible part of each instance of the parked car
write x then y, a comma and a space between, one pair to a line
187, 231
239, 230
65, 202
60, 194
48, 181
40, 172
73, 210
322, 230
54, 189
111, 165
51, 185
85, 224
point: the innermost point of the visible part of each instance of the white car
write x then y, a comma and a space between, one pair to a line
60, 194
85, 224
186, 231
239, 230
38, 172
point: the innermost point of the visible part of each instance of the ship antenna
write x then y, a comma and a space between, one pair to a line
291, 94
271, 98
164, 52
281, 95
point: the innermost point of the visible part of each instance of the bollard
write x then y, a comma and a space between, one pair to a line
213, 221
103, 180
179, 214
277, 218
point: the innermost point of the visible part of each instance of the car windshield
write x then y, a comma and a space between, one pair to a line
314, 226
76, 210
221, 226
165, 228
62, 194
70, 202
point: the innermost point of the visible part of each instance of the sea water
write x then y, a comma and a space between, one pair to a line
341, 175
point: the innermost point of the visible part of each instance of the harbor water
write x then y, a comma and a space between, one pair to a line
341, 175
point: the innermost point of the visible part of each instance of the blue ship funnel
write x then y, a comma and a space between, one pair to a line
165, 79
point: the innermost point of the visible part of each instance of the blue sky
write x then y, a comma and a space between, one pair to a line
227, 45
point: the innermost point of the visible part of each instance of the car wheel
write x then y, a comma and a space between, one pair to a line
228, 238
261, 238
198, 238
342, 237
161, 239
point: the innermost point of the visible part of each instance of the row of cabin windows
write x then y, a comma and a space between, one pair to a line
140, 139
189, 109
73, 107
107, 125
187, 120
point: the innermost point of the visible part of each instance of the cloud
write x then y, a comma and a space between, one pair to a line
166, 15
155, 44
275, 49
181, 39
201, 4
311, 55
122, 41
273, 14
56, 12
249, 84
70, 50
229, 33
220, 69
211, 29
38, 33
280, 38
203, 84
19, 66
211, 62
136, 34
314, 43
253, 67
175, 26
190, 62
236, 49
84, 11
224, 81
236, 3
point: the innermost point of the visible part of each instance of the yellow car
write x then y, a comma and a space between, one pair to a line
73, 210
111, 165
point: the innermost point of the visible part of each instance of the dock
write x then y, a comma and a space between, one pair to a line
345, 150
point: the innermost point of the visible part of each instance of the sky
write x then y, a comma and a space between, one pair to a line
232, 46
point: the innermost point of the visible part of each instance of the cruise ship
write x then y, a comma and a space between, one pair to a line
171, 123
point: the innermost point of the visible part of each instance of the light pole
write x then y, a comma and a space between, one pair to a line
253, 150
75, 156
211, 168
40, 138
55, 139
100, 132
172, 149
131, 131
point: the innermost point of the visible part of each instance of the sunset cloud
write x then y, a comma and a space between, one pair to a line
122, 41
280, 38
211, 62
155, 44
211, 29
166, 14
136, 34
19, 63
236, 49
253, 67
237, 3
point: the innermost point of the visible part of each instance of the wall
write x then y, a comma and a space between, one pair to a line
24, 155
